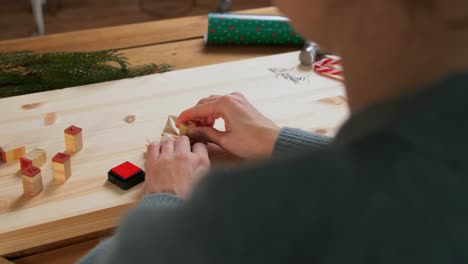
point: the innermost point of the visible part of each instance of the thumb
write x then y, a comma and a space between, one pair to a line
206, 135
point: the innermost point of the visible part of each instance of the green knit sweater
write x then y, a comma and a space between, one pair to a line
391, 188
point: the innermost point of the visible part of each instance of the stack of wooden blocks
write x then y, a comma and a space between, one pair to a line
31, 162
31, 172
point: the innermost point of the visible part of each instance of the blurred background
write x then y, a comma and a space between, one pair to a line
25, 18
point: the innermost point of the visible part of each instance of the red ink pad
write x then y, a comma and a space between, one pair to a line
126, 175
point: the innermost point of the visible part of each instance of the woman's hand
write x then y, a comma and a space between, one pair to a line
175, 167
249, 134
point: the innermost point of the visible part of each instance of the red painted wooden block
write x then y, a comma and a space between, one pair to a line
25, 163
73, 130
61, 158
2, 155
31, 171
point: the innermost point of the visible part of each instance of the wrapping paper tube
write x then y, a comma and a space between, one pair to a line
251, 29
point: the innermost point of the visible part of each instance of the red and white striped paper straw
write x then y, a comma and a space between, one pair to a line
330, 67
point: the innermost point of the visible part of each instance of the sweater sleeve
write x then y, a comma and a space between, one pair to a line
154, 202
161, 200
292, 141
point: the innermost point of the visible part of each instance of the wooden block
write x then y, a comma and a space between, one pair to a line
73, 139
32, 180
11, 153
61, 167
36, 158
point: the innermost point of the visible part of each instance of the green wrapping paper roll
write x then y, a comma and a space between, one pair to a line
251, 29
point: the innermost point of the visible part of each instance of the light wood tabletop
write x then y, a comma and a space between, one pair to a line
177, 42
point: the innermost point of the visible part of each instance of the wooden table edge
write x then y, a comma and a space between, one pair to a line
58, 233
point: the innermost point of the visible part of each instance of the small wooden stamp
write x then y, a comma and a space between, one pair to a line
73, 139
11, 153
61, 167
36, 158
32, 180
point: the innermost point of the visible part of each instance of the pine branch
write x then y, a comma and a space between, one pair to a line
24, 72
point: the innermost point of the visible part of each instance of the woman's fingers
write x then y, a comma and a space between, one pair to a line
153, 151
200, 149
182, 145
208, 110
209, 99
199, 112
206, 122
248, 133
167, 148
210, 121
207, 134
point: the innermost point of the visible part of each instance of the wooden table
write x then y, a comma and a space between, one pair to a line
178, 42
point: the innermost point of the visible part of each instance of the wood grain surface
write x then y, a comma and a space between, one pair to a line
87, 202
